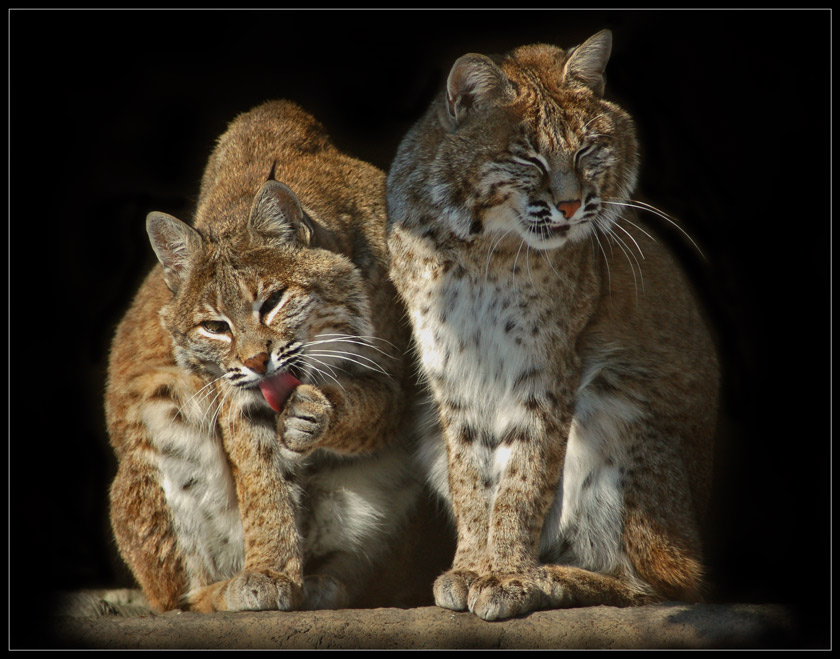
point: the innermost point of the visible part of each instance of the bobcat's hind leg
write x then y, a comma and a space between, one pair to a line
497, 597
143, 530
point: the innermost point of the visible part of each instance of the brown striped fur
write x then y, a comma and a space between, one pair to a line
220, 501
575, 377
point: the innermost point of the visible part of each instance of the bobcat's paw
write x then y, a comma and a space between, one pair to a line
496, 597
324, 592
248, 591
305, 419
452, 588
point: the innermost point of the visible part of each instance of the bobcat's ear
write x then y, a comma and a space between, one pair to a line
174, 243
474, 81
276, 213
587, 62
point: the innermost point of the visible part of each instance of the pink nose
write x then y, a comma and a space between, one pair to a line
568, 208
258, 363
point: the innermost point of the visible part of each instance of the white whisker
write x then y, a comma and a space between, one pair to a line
349, 338
621, 217
493, 246
640, 205
627, 254
203, 396
515, 260
606, 260
307, 359
215, 415
618, 226
349, 356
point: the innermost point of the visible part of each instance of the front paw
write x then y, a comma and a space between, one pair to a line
497, 597
452, 588
305, 419
248, 591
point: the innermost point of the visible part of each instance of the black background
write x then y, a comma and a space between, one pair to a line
113, 114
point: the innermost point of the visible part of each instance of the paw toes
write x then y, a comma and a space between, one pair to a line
498, 598
451, 590
249, 591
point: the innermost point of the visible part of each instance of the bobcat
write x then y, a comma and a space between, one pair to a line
576, 379
257, 397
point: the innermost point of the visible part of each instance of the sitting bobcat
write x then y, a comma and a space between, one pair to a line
575, 378
257, 399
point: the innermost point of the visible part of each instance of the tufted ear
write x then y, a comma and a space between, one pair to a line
276, 213
586, 63
474, 81
174, 243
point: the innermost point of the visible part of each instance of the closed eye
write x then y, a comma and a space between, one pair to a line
533, 161
583, 152
271, 306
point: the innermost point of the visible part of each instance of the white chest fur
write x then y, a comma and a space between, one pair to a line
477, 343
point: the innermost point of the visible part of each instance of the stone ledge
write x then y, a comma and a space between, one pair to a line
670, 625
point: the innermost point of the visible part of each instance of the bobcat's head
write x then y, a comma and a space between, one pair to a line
264, 308
530, 146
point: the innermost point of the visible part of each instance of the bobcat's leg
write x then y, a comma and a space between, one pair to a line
145, 535
272, 574
173, 507
470, 495
513, 584
661, 534
655, 544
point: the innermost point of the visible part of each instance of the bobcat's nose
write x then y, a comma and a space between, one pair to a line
568, 208
258, 363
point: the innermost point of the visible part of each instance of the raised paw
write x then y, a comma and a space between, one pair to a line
248, 591
452, 588
497, 597
305, 418
324, 592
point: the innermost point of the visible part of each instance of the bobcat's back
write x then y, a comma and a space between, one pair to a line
257, 398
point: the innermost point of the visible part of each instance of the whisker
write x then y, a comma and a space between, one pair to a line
214, 417
349, 338
348, 356
640, 205
308, 359
621, 217
618, 226
597, 116
528, 264
606, 260
515, 260
627, 254
490, 253
190, 399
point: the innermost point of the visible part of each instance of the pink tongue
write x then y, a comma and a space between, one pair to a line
276, 389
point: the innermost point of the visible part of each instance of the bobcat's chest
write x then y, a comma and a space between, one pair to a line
480, 341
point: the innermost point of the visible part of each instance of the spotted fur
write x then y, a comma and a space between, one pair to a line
575, 378
221, 502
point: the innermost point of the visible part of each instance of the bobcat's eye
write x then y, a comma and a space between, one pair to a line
533, 161
583, 152
215, 326
271, 305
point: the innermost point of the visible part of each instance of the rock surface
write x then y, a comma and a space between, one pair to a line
119, 619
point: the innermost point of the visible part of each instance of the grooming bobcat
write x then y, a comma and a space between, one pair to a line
576, 380
257, 397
